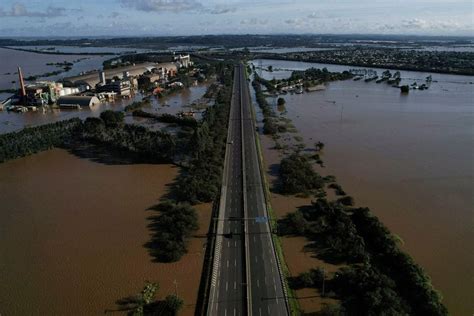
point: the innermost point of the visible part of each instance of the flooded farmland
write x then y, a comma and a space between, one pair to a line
72, 233
409, 158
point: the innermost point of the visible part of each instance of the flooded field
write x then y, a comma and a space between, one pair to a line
36, 64
408, 158
72, 233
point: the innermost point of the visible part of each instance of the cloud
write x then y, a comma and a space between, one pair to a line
414, 24
114, 15
20, 10
253, 21
162, 5
222, 10
314, 15
296, 21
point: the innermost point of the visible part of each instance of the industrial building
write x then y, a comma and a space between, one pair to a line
93, 78
78, 101
183, 61
119, 87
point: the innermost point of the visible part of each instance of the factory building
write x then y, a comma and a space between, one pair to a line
183, 61
120, 87
93, 78
78, 101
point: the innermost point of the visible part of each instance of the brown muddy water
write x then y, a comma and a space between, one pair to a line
409, 158
72, 233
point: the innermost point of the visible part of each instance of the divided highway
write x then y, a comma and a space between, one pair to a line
246, 276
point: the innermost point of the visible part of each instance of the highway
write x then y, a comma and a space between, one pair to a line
246, 279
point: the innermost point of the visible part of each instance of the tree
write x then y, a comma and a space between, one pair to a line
281, 101
405, 89
172, 304
112, 118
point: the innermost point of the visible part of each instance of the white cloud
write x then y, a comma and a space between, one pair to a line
162, 5
254, 21
20, 10
222, 10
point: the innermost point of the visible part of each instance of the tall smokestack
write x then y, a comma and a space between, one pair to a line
102, 77
22, 87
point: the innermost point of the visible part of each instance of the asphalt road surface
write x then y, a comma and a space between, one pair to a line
246, 277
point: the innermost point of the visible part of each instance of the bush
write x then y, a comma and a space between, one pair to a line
112, 118
346, 200
337, 188
298, 176
170, 230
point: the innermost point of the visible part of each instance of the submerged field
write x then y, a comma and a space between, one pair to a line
408, 158
72, 235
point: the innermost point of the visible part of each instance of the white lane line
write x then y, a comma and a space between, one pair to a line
268, 308
227, 263
235, 311
226, 285
256, 259
235, 262
225, 312
258, 283
260, 311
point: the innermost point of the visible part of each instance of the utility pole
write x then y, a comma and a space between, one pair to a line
176, 287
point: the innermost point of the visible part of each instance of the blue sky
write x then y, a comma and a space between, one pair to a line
194, 17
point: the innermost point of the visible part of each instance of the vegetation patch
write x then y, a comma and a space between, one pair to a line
297, 175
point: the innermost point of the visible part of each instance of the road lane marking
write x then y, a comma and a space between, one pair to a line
226, 286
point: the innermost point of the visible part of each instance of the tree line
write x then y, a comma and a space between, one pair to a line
379, 279
32, 140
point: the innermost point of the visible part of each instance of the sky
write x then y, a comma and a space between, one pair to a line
197, 17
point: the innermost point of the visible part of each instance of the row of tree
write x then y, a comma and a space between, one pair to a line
380, 278
297, 175
201, 155
168, 118
270, 124
146, 304
36, 139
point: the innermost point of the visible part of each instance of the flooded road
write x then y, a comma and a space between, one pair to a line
410, 159
72, 233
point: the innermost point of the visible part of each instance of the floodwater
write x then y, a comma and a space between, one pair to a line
84, 49
172, 104
35, 64
72, 233
410, 158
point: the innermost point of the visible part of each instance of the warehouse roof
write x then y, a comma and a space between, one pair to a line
82, 100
